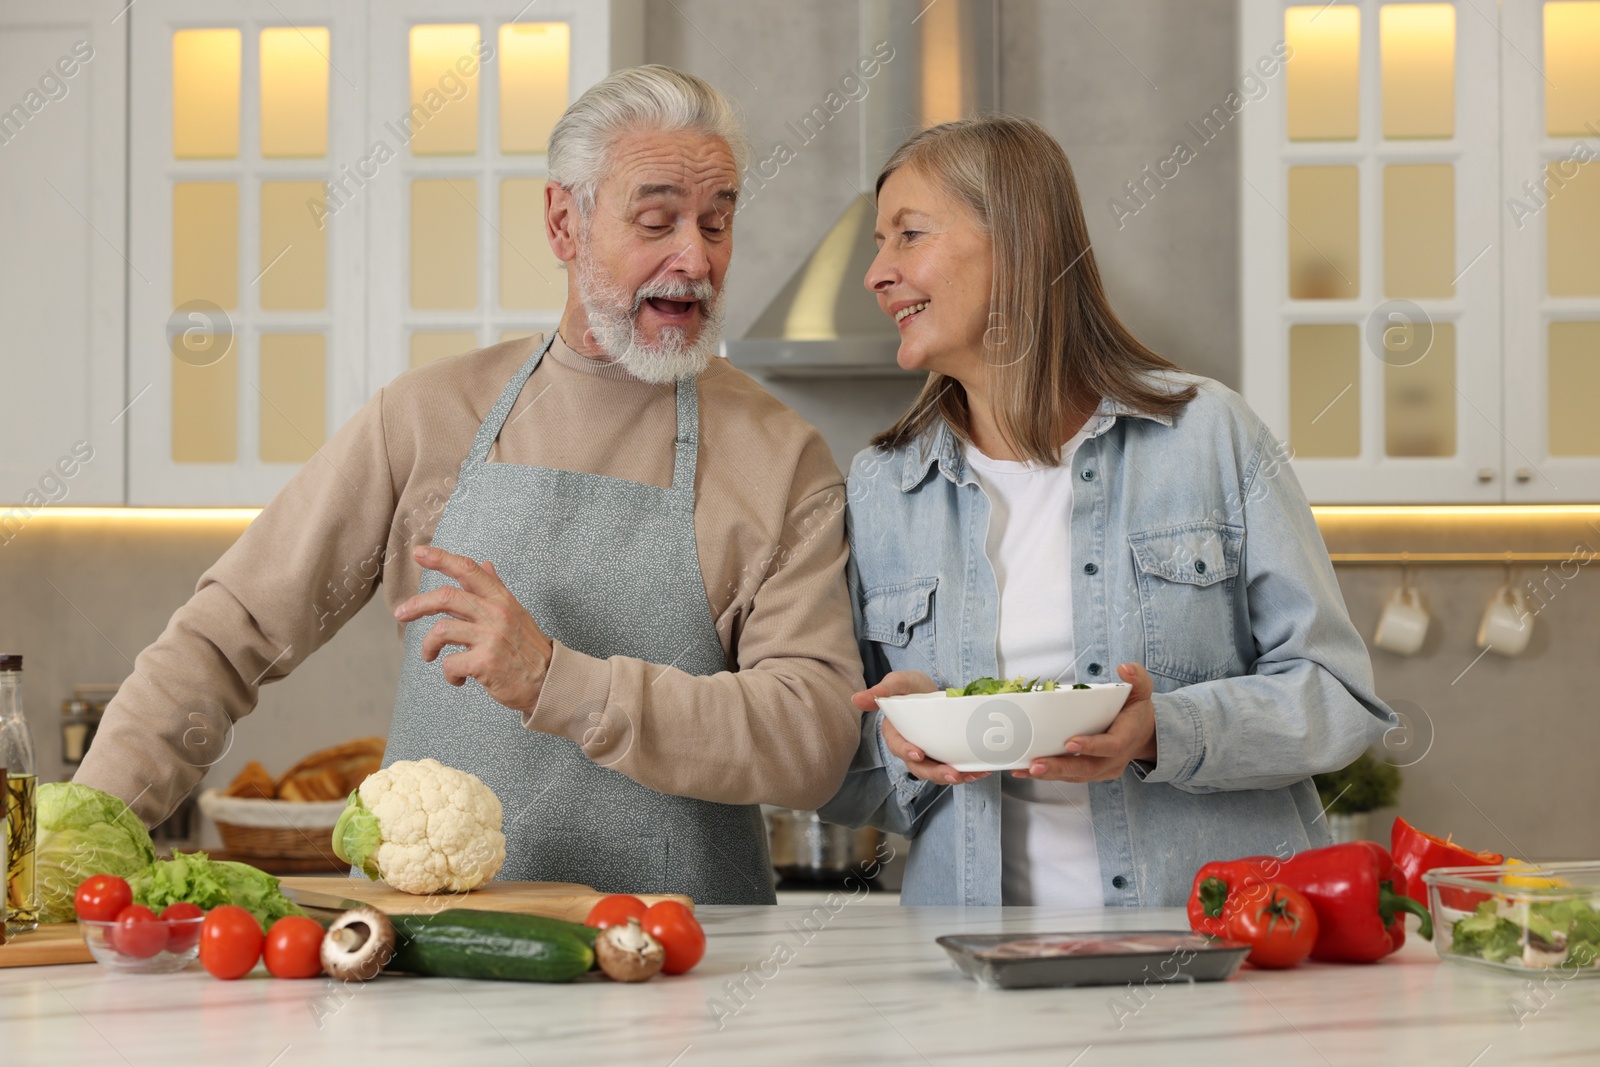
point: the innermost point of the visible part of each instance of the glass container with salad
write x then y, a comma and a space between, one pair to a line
1519, 917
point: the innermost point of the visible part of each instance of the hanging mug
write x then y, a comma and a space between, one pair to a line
1403, 622
1507, 624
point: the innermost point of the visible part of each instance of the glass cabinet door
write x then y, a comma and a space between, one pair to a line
1370, 282
245, 346
1550, 227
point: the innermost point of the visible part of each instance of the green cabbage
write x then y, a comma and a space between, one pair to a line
83, 832
200, 880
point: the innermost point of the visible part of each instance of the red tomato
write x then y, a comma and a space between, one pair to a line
1277, 922
294, 948
181, 937
679, 932
138, 932
615, 910
230, 941
102, 898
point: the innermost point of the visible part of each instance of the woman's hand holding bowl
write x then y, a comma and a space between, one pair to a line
904, 683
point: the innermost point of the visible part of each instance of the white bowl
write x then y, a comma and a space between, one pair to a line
1002, 731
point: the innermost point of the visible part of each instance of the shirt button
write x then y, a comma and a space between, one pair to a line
1088, 475
1090, 568
1199, 566
1118, 882
1094, 668
901, 628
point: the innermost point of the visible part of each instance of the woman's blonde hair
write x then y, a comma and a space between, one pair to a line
1052, 335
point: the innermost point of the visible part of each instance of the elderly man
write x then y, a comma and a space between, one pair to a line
618, 561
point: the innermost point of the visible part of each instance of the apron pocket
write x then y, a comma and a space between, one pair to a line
624, 863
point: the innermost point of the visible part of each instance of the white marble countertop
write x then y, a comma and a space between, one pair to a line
858, 985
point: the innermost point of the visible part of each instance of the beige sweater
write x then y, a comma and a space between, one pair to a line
778, 727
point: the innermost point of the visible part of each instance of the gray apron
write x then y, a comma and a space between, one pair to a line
607, 567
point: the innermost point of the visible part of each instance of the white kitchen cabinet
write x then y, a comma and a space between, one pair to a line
325, 195
62, 136
1550, 237
1399, 331
246, 342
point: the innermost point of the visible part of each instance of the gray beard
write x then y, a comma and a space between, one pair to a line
613, 314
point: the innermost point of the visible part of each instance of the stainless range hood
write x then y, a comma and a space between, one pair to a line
823, 322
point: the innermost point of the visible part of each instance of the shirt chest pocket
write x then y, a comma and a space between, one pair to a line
899, 618
1187, 576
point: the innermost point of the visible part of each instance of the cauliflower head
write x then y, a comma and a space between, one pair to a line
423, 827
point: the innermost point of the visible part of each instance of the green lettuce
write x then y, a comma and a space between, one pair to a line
1485, 933
83, 832
1548, 924
200, 880
991, 686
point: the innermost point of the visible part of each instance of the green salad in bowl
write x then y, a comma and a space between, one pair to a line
989, 686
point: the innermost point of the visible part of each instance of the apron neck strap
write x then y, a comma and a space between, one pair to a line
686, 441
496, 419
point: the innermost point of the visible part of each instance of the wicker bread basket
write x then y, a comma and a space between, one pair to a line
273, 829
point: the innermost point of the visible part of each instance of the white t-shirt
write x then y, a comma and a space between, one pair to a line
1047, 844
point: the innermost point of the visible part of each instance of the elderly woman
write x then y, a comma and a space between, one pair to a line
1063, 503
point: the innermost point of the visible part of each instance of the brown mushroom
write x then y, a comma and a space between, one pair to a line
627, 953
358, 944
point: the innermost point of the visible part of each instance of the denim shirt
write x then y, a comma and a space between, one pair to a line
1195, 554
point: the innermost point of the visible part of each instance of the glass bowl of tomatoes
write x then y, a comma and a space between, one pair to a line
153, 946
130, 937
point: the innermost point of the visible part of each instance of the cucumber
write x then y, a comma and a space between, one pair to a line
493, 920
460, 943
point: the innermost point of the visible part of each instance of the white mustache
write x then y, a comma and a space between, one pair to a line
676, 289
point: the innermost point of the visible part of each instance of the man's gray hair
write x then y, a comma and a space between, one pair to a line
652, 97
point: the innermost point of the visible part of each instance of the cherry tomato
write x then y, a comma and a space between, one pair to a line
615, 910
230, 941
1277, 922
138, 932
102, 898
181, 937
294, 948
679, 932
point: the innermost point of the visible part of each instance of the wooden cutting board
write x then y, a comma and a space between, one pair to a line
51, 943
557, 900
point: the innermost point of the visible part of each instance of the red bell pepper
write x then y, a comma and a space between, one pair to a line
1360, 897
1415, 852
1358, 893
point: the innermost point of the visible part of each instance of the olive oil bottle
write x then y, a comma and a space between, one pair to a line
5, 845
21, 801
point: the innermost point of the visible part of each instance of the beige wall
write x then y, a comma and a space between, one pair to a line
1511, 767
